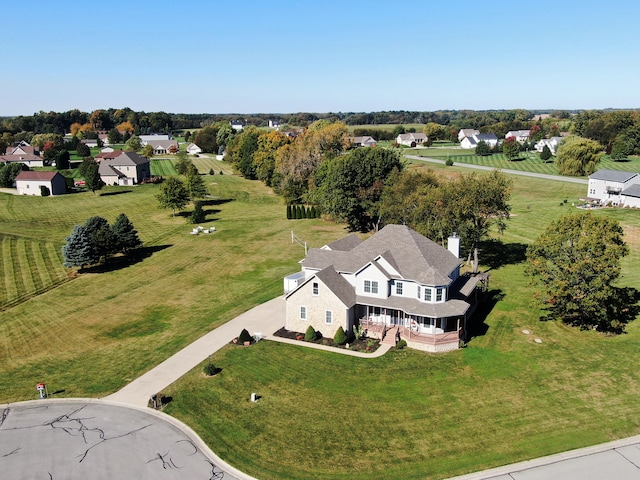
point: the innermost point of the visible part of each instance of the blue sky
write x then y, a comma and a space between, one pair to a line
209, 56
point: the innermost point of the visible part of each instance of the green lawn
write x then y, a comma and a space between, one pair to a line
405, 415
504, 398
527, 161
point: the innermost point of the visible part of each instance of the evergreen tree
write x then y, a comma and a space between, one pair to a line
125, 235
288, 212
102, 237
545, 154
198, 215
79, 250
195, 184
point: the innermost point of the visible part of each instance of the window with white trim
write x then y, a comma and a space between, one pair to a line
315, 289
303, 312
398, 288
328, 317
419, 292
427, 294
374, 287
439, 292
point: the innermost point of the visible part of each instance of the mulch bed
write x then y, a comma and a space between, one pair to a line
368, 345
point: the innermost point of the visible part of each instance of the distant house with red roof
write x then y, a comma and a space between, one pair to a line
30, 183
107, 155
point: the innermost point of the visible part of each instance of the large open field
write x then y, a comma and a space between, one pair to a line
405, 415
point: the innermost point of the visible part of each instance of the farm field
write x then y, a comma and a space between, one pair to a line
405, 415
502, 399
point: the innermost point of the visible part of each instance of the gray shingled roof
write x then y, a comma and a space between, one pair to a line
338, 285
414, 256
450, 308
345, 243
632, 191
612, 176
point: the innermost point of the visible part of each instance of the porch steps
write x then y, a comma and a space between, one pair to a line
390, 336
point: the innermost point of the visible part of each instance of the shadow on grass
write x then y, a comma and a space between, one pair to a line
476, 325
124, 261
214, 201
120, 192
495, 254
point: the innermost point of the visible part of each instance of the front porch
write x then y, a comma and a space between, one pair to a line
420, 333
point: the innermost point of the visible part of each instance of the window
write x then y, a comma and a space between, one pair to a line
419, 293
370, 286
328, 317
303, 313
398, 288
439, 292
427, 294
374, 287
316, 289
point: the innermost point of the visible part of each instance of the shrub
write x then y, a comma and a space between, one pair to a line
244, 336
340, 338
44, 191
212, 171
449, 162
210, 369
310, 334
400, 344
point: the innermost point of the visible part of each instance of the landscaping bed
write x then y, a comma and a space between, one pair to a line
365, 344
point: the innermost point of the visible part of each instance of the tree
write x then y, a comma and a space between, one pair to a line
182, 162
114, 136
545, 154
9, 172
622, 148
511, 147
102, 237
350, 186
483, 149
578, 156
194, 183
241, 149
147, 150
478, 202
82, 150
133, 144
574, 263
173, 195
125, 235
79, 250
62, 160
198, 215
89, 170
434, 131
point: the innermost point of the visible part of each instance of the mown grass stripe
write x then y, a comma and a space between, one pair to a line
29, 268
9, 273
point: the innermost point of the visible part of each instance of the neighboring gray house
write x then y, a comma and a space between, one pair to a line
467, 132
128, 168
193, 149
521, 136
363, 141
144, 139
30, 183
411, 139
397, 284
162, 147
613, 187
29, 160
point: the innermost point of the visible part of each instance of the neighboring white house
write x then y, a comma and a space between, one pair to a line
237, 125
127, 168
397, 284
30, 183
411, 139
521, 136
364, 141
274, 124
193, 149
467, 132
613, 187
552, 143
22, 148
490, 139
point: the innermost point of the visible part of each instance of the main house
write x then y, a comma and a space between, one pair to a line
613, 187
397, 284
127, 168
